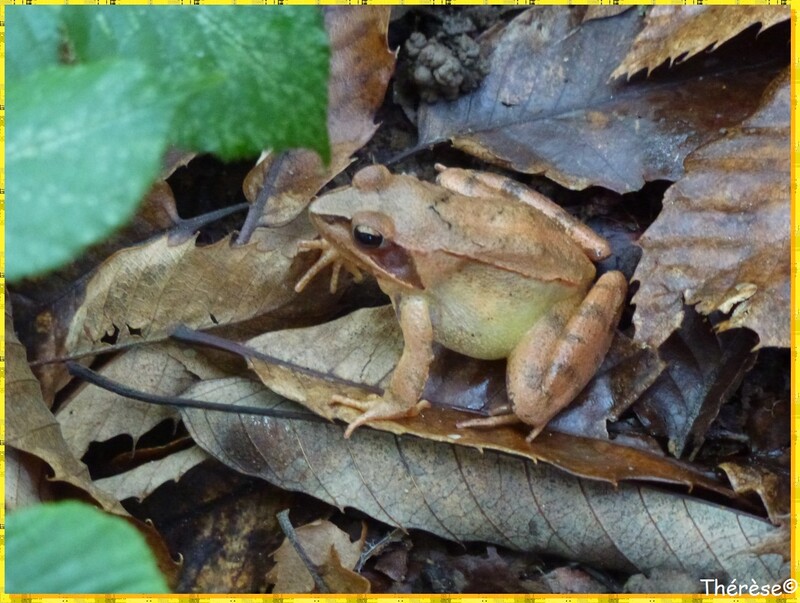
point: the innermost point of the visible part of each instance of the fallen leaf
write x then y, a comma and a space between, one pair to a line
141, 481
32, 428
330, 549
703, 371
361, 65
463, 494
222, 524
92, 414
355, 355
680, 32
773, 488
140, 294
548, 107
572, 580
26, 482
722, 239
627, 372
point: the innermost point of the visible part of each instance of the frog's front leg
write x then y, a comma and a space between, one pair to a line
402, 398
556, 359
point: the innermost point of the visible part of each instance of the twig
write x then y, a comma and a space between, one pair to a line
190, 225
77, 370
395, 535
257, 208
291, 536
190, 336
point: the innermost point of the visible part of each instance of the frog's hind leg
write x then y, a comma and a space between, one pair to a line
556, 359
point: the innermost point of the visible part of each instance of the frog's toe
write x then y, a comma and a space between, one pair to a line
489, 422
535, 432
362, 405
378, 410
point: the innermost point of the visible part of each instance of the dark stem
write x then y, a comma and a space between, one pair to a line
291, 536
190, 225
186, 335
257, 208
90, 376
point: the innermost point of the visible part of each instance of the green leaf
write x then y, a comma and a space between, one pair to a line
264, 70
32, 39
71, 547
83, 145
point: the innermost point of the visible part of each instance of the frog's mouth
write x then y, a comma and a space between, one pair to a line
383, 259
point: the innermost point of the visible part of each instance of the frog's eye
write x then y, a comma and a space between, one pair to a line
366, 236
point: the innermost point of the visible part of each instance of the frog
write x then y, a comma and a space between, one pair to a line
482, 265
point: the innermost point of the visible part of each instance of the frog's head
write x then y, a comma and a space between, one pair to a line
361, 223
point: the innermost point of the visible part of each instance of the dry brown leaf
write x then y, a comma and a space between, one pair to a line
361, 65
32, 428
140, 294
548, 107
703, 371
92, 414
463, 494
680, 32
774, 489
355, 355
140, 482
330, 549
722, 239
26, 482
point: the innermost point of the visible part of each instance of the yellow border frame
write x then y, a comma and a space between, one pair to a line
795, 331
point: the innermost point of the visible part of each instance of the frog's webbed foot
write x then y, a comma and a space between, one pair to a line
378, 408
328, 256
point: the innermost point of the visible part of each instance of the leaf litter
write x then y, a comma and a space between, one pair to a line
132, 301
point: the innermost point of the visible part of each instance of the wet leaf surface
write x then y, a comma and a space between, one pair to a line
560, 115
703, 370
722, 240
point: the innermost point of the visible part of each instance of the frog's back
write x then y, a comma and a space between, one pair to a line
506, 233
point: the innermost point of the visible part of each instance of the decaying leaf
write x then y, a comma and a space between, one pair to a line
680, 32
92, 414
463, 494
26, 482
361, 65
140, 294
330, 549
548, 105
773, 488
703, 370
722, 239
140, 482
31, 427
354, 356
